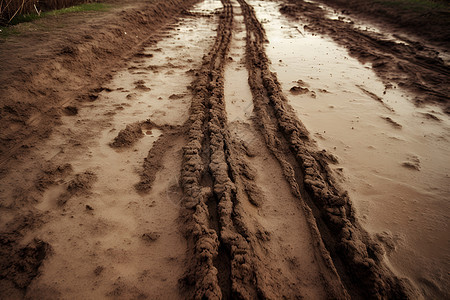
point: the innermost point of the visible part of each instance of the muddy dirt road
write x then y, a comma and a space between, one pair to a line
243, 149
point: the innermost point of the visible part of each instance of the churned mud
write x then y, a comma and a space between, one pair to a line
357, 119
398, 60
242, 150
100, 205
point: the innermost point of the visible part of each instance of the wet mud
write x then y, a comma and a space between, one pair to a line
410, 64
85, 192
350, 262
188, 174
350, 120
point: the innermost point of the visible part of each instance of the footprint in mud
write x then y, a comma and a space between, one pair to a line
412, 163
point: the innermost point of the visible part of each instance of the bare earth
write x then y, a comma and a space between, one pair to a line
220, 150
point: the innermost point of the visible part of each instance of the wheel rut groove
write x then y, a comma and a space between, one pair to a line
229, 254
341, 241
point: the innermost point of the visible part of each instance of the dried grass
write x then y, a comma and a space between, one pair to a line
12, 8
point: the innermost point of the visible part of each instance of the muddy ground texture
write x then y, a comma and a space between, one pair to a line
227, 205
428, 19
410, 64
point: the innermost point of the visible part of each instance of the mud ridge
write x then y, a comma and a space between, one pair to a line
353, 260
216, 180
411, 65
154, 160
19, 264
201, 280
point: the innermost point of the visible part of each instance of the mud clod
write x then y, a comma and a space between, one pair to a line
298, 90
151, 236
140, 85
176, 96
412, 163
71, 110
392, 122
81, 183
98, 270
129, 136
20, 265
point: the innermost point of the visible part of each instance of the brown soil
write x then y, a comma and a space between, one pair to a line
54, 64
428, 20
343, 249
411, 65
67, 62
113, 188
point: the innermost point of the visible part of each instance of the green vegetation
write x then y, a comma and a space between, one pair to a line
77, 8
7, 31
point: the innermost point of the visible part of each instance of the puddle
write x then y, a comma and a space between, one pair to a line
207, 7
360, 24
237, 94
333, 14
350, 113
158, 83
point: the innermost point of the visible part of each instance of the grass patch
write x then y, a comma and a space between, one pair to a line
72, 9
6, 32
79, 8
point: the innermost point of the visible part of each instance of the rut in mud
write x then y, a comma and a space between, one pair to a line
217, 182
135, 195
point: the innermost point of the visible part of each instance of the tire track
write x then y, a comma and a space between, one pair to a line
213, 178
218, 184
201, 281
346, 248
230, 256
